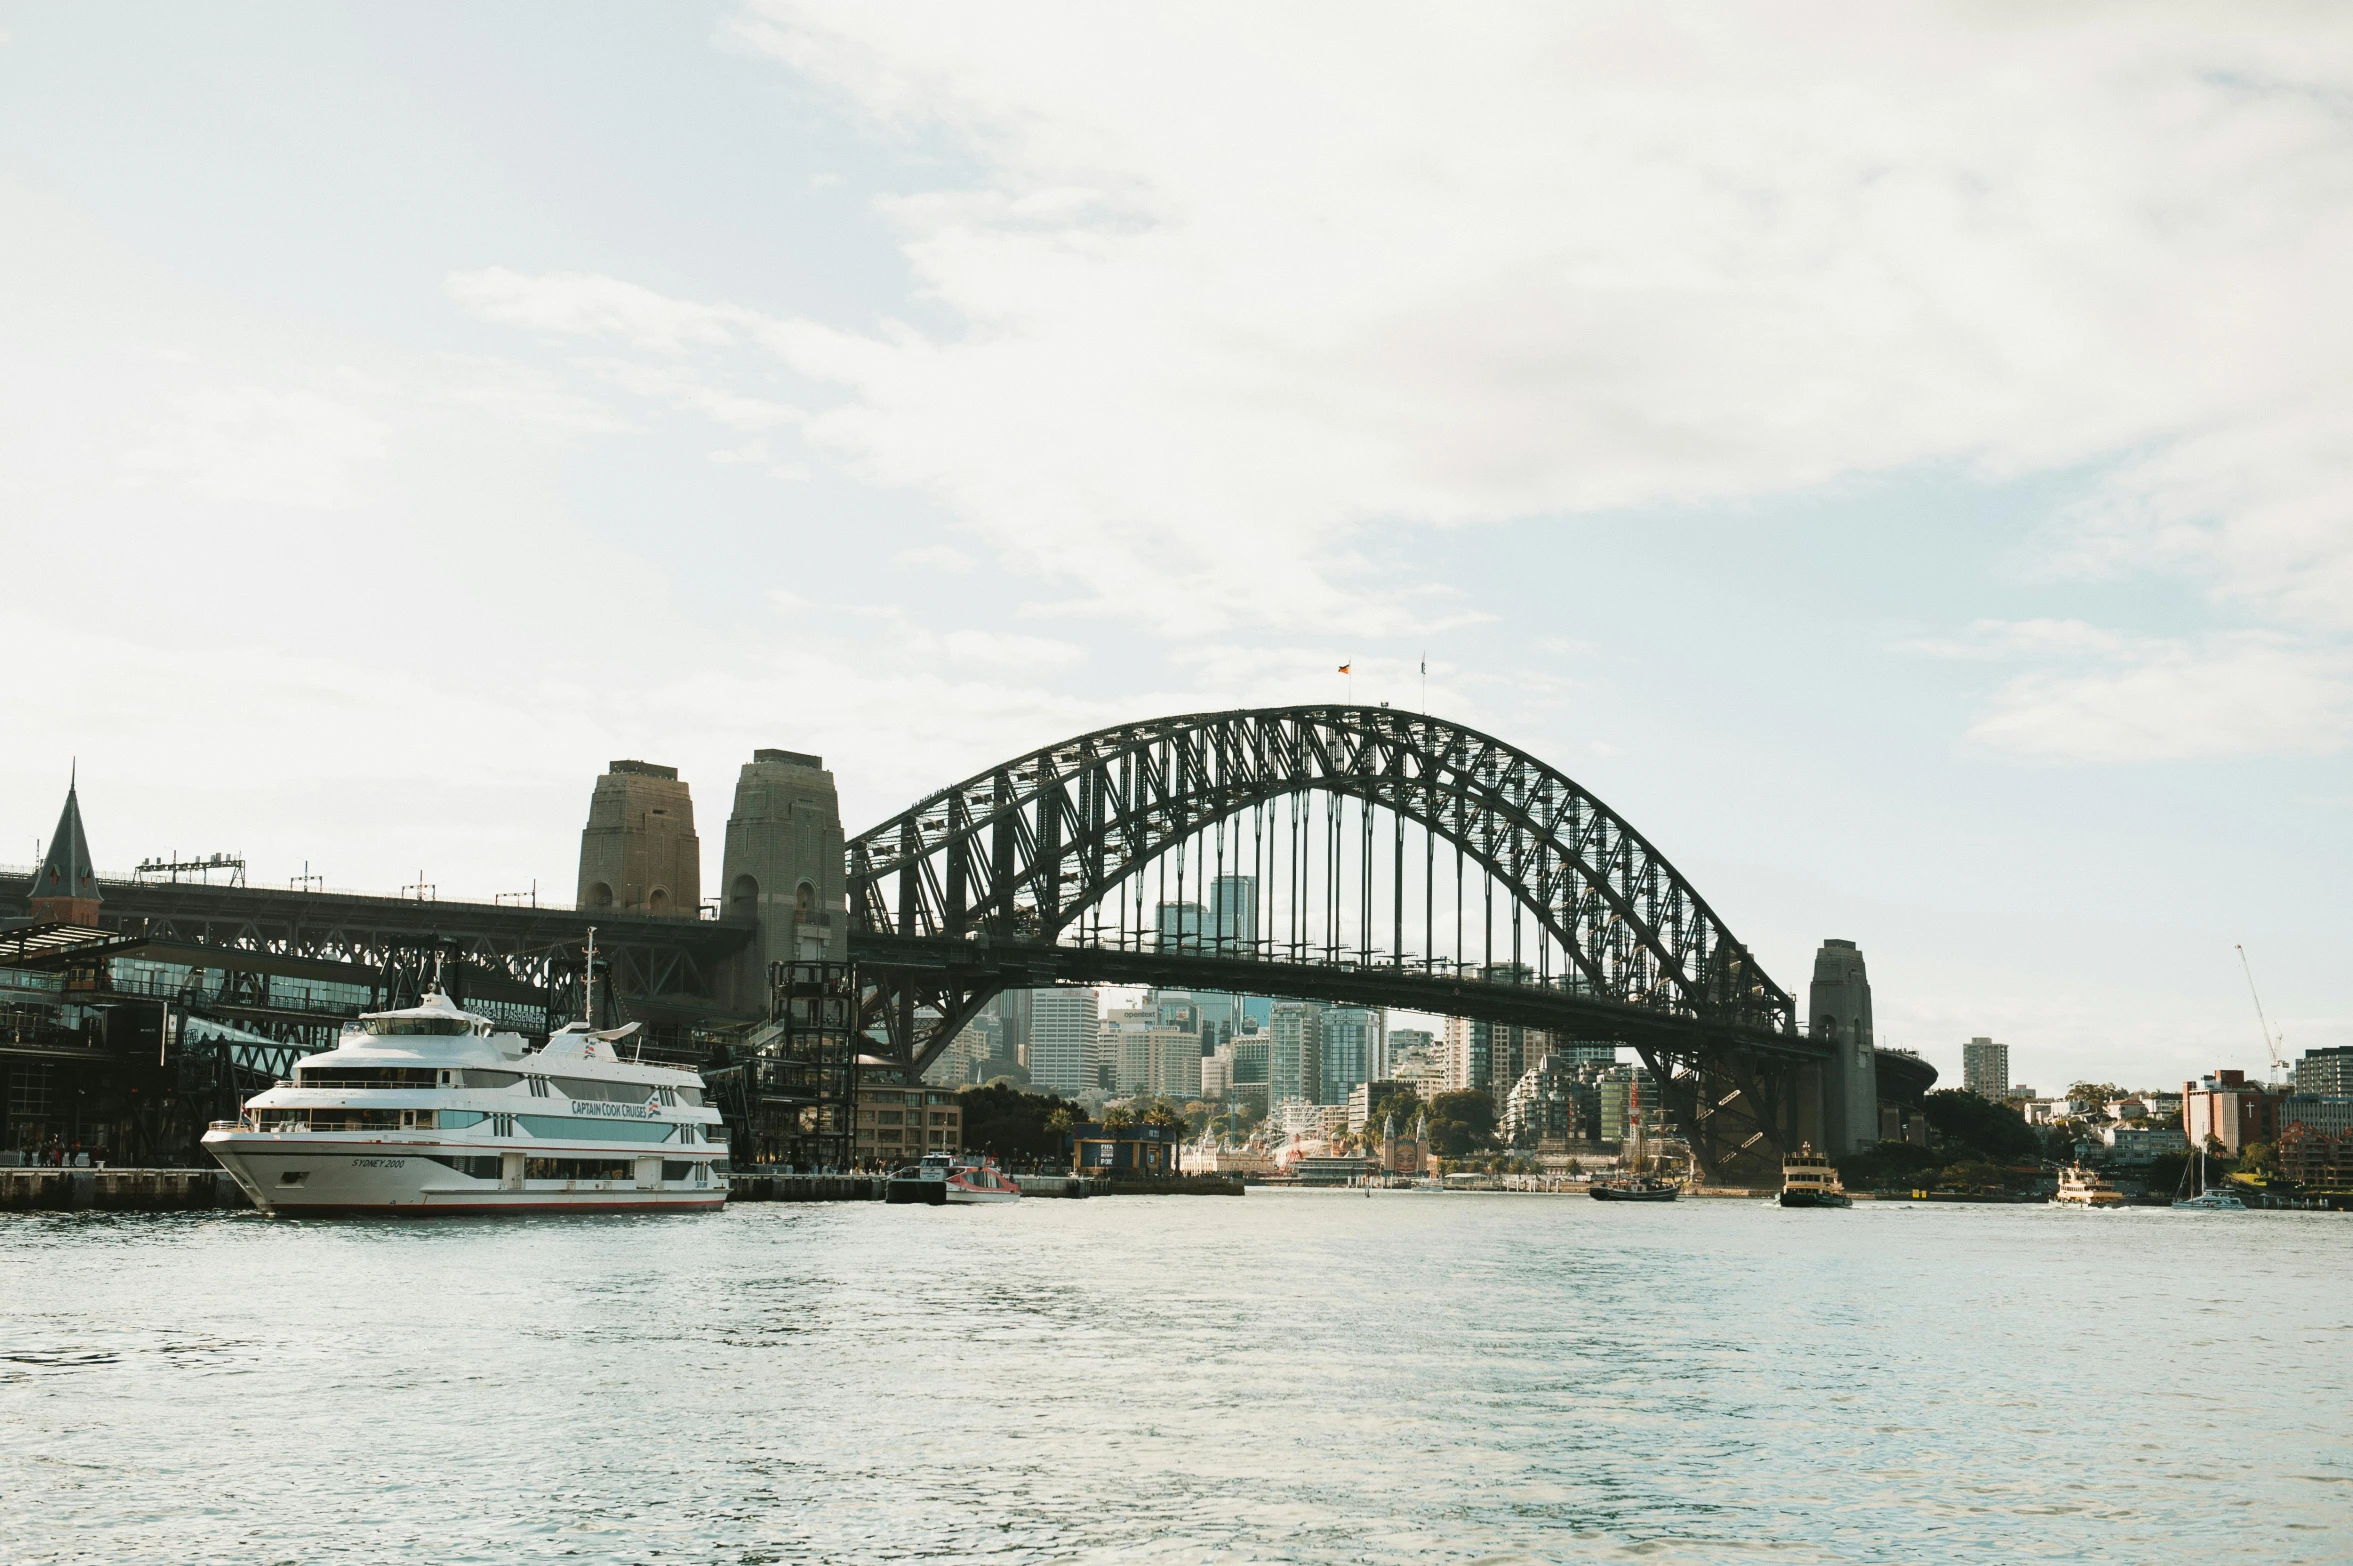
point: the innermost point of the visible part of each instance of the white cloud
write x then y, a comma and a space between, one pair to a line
1208, 303
2118, 698
573, 304
935, 557
255, 444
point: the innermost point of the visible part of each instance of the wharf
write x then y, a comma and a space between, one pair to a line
118, 1190
748, 1186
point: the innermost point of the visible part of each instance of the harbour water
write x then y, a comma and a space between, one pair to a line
1288, 1377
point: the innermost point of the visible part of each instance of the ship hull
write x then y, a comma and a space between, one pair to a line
306, 1177
1606, 1193
1816, 1199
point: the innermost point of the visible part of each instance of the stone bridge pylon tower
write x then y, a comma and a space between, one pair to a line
783, 868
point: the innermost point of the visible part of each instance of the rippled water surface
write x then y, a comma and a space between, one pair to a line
1285, 1377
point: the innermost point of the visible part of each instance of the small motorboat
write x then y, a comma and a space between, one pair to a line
959, 1179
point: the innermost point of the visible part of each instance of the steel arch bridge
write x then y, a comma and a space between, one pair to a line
1002, 881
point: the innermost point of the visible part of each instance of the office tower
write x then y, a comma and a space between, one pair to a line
1065, 1031
1233, 914
1179, 926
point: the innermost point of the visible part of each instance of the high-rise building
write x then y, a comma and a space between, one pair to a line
1149, 1056
1065, 1031
1220, 1017
1501, 1053
1294, 1056
1985, 1069
1250, 1066
1233, 914
1621, 1088
1584, 1052
1405, 1043
638, 852
1457, 1051
1351, 1039
1179, 926
1012, 1009
2326, 1071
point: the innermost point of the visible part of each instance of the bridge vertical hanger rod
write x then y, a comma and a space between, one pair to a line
1397, 886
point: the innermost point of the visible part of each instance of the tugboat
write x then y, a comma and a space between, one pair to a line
957, 1179
2081, 1187
1808, 1180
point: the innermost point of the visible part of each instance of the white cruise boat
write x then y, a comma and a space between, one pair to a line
427, 1110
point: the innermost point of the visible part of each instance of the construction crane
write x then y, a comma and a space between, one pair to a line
2279, 1066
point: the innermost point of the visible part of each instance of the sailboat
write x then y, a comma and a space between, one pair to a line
1635, 1185
2208, 1201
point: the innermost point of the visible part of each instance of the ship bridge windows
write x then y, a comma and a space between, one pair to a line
426, 1027
591, 1091
363, 1076
470, 1077
337, 1119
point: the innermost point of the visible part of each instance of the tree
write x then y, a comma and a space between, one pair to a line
2093, 1096
1461, 1122
1011, 1125
1399, 1101
1160, 1112
1897, 1164
1118, 1118
1986, 1132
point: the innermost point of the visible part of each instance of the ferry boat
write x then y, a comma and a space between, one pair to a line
429, 1110
1808, 1180
2081, 1187
952, 1179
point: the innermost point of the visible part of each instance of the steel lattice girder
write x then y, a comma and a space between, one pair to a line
525, 948
1038, 840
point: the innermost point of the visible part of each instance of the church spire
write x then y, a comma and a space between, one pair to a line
65, 888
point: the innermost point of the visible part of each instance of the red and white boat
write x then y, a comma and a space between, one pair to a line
960, 1178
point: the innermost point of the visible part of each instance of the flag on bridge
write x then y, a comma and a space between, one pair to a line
1344, 668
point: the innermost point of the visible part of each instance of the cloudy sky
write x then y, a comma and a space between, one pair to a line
1902, 458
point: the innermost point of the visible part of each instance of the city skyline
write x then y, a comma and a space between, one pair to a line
2009, 560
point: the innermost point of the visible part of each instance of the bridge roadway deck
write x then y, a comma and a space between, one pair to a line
346, 937
1567, 1013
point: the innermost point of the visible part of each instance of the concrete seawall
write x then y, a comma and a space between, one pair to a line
118, 1190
